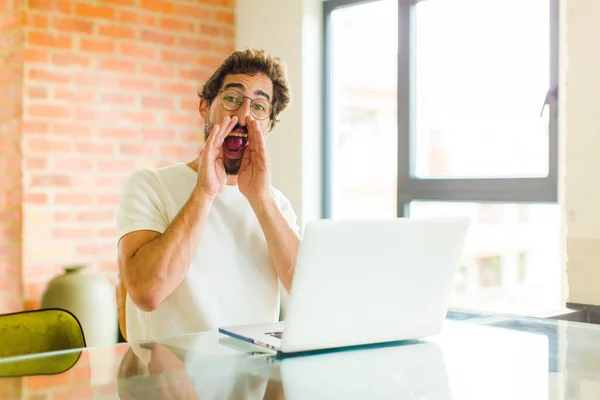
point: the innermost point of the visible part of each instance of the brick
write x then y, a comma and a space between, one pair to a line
213, 62
74, 199
225, 16
161, 71
195, 74
107, 233
35, 20
95, 216
140, 117
49, 40
95, 80
158, 6
176, 151
35, 198
48, 111
35, 56
191, 136
48, 145
158, 134
195, 12
185, 120
121, 2
94, 148
30, 127
95, 115
178, 88
54, 6
73, 233
158, 103
61, 59
49, 76
136, 17
72, 164
216, 31
94, 11
177, 25
50, 180
73, 24
118, 99
138, 149
113, 199
71, 130
119, 165
137, 84
117, 65
226, 48
111, 181
179, 57
10, 21
97, 46
36, 163
77, 96
120, 133
37, 92
116, 31
132, 50
189, 105
158, 38
195, 44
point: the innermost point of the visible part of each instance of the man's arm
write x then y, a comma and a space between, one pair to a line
152, 265
282, 241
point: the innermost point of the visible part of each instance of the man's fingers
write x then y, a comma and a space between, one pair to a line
226, 126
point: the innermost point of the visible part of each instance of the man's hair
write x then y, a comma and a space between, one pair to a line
252, 62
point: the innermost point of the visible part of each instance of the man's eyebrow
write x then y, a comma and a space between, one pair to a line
237, 85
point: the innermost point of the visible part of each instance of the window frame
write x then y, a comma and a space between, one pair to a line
537, 190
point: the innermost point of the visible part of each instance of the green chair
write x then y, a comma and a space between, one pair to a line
32, 332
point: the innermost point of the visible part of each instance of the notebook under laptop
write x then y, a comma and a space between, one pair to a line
361, 282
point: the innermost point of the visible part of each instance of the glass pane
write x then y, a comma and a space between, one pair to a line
482, 73
363, 105
512, 255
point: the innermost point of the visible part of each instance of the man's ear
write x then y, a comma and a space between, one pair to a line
203, 107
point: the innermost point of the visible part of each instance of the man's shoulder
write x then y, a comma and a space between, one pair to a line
154, 176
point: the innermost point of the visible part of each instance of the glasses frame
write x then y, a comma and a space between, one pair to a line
270, 115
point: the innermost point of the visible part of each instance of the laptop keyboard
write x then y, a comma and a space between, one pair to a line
275, 334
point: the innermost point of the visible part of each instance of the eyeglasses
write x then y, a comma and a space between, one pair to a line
231, 100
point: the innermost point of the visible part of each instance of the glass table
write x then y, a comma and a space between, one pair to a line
476, 356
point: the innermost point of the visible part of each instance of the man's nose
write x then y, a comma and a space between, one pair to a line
244, 110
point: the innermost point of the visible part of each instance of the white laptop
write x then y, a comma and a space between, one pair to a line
364, 282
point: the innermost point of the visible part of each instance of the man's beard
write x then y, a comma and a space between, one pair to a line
232, 167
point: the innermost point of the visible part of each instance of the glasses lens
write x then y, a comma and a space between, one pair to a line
261, 109
231, 99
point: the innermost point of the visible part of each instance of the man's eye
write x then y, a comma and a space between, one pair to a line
231, 99
259, 107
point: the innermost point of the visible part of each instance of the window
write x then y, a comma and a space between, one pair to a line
448, 108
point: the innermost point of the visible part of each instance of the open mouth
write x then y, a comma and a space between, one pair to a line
235, 143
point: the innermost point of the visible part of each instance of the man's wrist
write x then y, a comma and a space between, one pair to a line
260, 204
201, 198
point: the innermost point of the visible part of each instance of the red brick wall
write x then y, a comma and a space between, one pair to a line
109, 87
11, 83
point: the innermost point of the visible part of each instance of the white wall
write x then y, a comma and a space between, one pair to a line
291, 30
581, 122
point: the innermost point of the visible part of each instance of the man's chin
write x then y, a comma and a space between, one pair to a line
232, 166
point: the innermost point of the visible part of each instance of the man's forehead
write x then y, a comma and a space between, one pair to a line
250, 83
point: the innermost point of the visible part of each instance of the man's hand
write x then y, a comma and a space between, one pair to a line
211, 172
254, 177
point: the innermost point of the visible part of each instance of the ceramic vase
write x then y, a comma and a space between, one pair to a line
91, 298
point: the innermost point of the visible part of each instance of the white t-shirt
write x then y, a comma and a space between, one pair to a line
231, 280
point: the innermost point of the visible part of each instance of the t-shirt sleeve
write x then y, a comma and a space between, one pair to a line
141, 206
